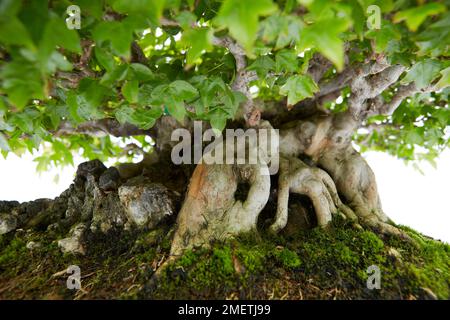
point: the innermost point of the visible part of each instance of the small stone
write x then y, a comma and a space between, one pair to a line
73, 243
8, 223
109, 180
33, 245
93, 167
394, 253
428, 294
145, 203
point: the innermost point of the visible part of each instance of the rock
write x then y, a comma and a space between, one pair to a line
109, 180
89, 204
392, 252
73, 243
93, 167
50, 210
146, 203
8, 206
32, 213
8, 223
108, 212
33, 245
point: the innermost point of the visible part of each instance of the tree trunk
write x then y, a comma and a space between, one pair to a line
211, 210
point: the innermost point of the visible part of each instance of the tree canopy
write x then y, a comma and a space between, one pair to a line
133, 61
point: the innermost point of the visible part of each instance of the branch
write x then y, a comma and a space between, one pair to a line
164, 22
252, 115
370, 83
402, 93
330, 89
101, 128
137, 55
318, 65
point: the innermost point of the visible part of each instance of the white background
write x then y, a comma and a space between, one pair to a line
408, 197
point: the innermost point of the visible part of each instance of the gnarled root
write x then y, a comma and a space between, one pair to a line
297, 177
355, 181
210, 210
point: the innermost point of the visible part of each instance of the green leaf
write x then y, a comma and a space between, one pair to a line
186, 19
359, 17
143, 118
84, 104
94, 8
218, 120
290, 32
55, 34
130, 91
9, 8
283, 30
142, 72
57, 62
117, 33
104, 58
445, 80
434, 39
286, 60
196, 40
414, 17
423, 73
123, 114
173, 95
241, 18
271, 27
297, 88
13, 32
4, 145
176, 108
21, 81
26, 120
325, 36
151, 8
387, 33
119, 73
262, 65
183, 90
414, 136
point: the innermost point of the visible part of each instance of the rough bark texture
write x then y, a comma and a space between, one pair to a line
210, 210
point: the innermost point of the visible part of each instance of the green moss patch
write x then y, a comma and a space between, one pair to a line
312, 264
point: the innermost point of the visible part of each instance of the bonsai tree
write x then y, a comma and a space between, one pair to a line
116, 78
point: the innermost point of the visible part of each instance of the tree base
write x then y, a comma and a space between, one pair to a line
310, 264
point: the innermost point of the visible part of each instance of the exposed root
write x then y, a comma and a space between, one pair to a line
297, 177
210, 210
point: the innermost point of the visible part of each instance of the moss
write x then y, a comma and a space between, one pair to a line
252, 257
204, 269
320, 263
288, 258
346, 255
223, 260
12, 252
